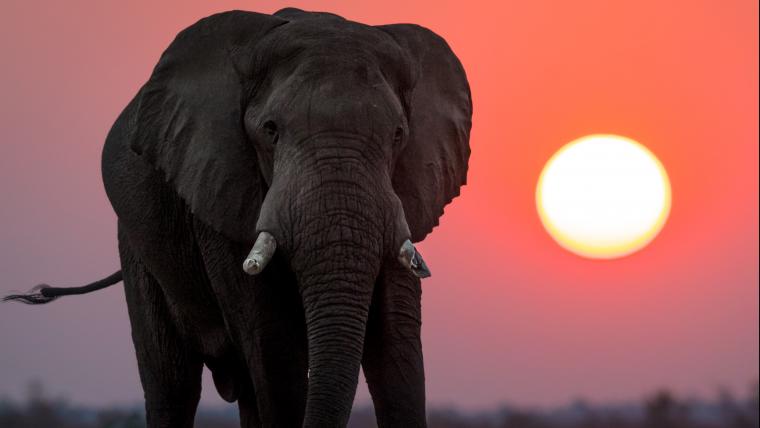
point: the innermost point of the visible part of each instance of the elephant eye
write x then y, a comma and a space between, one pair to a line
270, 128
398, 136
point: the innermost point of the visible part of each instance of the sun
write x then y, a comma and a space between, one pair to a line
603, 196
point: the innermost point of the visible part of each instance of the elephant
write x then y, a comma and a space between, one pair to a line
314, 151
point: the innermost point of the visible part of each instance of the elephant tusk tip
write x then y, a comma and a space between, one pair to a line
412, 260
261, 253
251, 266
423, 273
406, 253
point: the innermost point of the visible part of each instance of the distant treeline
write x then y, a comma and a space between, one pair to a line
660, 410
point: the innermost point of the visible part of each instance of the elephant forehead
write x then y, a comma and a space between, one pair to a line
320, 94
337, 102
339, 44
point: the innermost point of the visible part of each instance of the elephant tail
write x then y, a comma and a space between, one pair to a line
44, 293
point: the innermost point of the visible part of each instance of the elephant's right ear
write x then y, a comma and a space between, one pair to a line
189, 120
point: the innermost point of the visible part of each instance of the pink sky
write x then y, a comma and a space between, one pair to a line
508, 316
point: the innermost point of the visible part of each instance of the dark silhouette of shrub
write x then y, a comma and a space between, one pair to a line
661, 410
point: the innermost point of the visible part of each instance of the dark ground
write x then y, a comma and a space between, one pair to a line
660, 410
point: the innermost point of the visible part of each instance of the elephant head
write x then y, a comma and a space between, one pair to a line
332, 143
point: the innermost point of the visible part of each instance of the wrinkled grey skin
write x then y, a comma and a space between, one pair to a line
339, 139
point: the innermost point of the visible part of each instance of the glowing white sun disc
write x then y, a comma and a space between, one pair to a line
603, 196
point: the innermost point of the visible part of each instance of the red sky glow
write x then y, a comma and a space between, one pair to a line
508, 315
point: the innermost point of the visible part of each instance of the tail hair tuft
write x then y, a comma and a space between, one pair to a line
35, 296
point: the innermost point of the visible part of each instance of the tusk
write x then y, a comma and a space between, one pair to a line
260, 254
412, 260
406, 254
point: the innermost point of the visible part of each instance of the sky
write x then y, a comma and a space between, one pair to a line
508, 316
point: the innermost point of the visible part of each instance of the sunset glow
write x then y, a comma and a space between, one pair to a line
509, 317
603, 196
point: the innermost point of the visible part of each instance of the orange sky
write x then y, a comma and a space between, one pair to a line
508, 314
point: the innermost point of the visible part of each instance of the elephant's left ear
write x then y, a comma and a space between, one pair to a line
433, 165
189, 121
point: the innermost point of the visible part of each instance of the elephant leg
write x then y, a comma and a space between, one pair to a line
170, 371
266, 319
247, 406
392, 359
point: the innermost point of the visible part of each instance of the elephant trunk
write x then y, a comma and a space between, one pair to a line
336, 323
337, 254
336, 218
